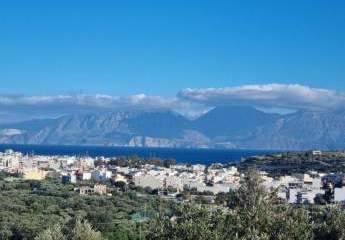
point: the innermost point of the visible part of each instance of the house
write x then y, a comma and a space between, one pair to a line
305, 178
153, 182
101, 174
317, 153
86, 176
120, 178
100, 189
96, 189
34, 174
303, 195
339, 194
73, 178
68, 178
85, 190
65, 179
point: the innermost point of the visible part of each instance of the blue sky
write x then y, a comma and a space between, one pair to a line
161, 47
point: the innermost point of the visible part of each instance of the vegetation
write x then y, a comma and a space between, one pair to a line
81, 231
27, 208
288, 163
253, 213
49, 210
136, 161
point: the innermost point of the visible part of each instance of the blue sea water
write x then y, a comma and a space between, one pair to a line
192, 156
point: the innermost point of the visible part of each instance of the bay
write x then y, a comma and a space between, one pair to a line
191, 156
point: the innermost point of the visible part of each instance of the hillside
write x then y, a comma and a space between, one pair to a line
222, 127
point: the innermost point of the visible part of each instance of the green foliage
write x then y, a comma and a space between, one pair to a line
52, 233
49, 210
288, 163
254, 216
330, 223
84, 231
135, 161
191, 222
27, 209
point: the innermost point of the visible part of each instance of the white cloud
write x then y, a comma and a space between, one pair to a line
27, 107
189, 102
271, 95
97, 100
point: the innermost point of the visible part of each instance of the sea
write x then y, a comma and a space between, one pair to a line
188, 156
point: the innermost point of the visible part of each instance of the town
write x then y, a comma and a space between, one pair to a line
179, 182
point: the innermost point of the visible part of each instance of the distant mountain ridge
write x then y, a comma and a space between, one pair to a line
231, 121
222, 127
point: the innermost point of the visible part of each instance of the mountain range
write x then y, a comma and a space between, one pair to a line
221, 127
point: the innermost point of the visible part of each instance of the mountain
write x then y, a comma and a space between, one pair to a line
159, 128
222, 127
301, 130
232, 121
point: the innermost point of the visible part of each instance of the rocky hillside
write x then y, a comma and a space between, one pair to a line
302, 130
223, 127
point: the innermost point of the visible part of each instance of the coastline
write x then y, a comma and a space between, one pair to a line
181, 155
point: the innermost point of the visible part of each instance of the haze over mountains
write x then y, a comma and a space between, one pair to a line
292, 116
222, 127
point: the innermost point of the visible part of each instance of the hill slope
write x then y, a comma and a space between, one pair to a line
227, 127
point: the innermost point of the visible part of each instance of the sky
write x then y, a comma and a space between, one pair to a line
171, 50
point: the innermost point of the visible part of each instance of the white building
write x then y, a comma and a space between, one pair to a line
86, 176
339, 194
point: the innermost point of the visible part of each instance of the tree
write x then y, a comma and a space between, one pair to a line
191, 222
330, 224
120, 185
52, 233
257, 216
84, 231
81, 231
320, 199
221, 198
